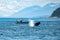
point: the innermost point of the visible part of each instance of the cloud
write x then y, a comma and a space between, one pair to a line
12, 6
1, 8
5, 15
55, 1
53, 4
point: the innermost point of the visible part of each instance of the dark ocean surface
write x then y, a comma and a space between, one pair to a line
49, 29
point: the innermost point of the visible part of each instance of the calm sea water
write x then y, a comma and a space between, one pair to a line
49, 29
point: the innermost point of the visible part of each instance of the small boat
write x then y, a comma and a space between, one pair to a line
21, 22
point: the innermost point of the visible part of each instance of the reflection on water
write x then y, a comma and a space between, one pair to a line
47, 30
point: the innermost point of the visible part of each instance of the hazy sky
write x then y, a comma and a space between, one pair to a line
10, 7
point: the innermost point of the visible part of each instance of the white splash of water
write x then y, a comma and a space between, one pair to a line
31, 23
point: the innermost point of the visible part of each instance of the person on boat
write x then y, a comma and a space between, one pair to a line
21, 21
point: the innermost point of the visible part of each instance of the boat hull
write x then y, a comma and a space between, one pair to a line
22, 22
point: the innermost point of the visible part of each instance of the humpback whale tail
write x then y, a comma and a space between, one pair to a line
32, 23
37, 23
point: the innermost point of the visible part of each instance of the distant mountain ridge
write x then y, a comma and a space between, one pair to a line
34, 11
56, 13
28, 12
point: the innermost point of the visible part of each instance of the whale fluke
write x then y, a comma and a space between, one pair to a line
37, 23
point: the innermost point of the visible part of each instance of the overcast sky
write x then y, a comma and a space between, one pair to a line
10, 7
